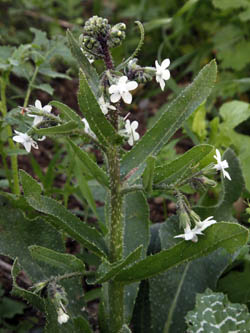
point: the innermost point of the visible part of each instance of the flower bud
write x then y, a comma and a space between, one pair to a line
208, 181
184, 219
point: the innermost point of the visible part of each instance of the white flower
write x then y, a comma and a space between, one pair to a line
162, 74
105, 106
121, 90
39, 119
221, 165
87, 128
25, 140
191, 234
130, 131
62, 316
188, 235
202, 225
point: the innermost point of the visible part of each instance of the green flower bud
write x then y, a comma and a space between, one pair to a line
184, 219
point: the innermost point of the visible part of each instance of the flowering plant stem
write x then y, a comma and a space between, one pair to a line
116, 289
30, 86
14, 162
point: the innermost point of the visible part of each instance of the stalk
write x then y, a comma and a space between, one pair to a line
115, 289
27, 97
14, 163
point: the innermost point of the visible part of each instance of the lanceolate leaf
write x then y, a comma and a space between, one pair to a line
70, 223
68, 112
92, 167
29, 296
59, 129
227, 235
85, 65
172, 118
114, 269
183, 167
91, 110
68, 262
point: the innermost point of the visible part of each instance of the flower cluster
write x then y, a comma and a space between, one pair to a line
24, 138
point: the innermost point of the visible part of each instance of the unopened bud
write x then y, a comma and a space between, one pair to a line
184, 219
194, 216
208, 181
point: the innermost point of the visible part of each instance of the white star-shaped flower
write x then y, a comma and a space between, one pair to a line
202, 225
130, 130
121, 90
25, 140
105, 106
162, 73
87, 128
62, 316
191, 234
221, 165
39, 119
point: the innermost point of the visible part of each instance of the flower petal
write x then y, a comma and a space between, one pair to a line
115, 97
162, 84
47, 108
166, 75
165, 63
18, 138
113, 89
127, 97
38, 104
122, 80
132, 85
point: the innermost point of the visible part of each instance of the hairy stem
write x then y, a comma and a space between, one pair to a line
14, 163
115, 289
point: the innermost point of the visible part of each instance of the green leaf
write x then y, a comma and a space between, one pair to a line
231, 191
236, 283
213, 310
30, 186
59, 129
173, 292
67, 262
18, 233
182, 167
29, 296
44, 87
91, 110
170, 121
136, 233
230, 4
92, 167
84, 187
64, 219
81, 325
141, 320
67, 112
148, 174
107, 271
84, 64
230, 236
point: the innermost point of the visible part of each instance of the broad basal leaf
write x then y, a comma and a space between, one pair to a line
214, 311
